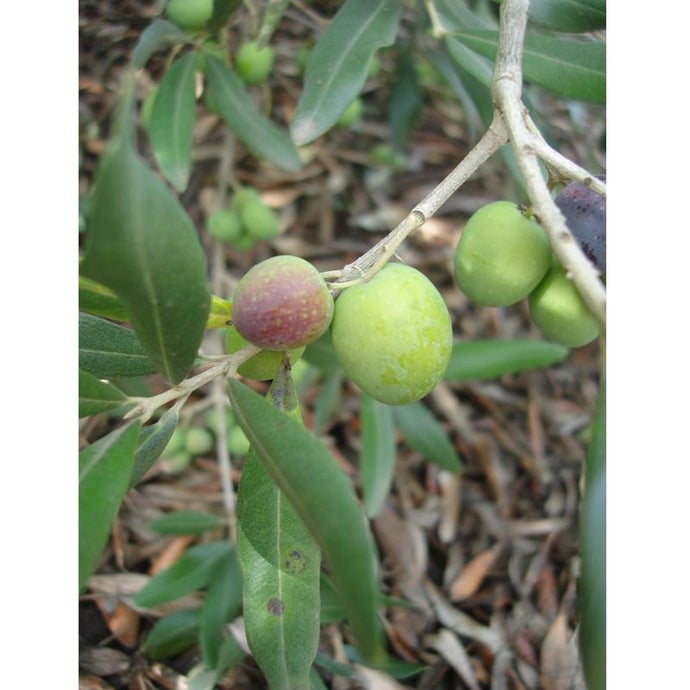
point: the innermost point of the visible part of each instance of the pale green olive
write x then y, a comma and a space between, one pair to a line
393, 334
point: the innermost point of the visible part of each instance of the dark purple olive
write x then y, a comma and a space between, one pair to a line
585, 215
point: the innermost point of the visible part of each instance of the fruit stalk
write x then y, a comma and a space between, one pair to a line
375, 258
507, 92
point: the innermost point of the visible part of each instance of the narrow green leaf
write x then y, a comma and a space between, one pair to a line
337, 66
331, 608
222, 11
173, 634
475, 91
104, 469
97, 396
259, 135
324, 498
569, 16
160, 34
193, 571
321, 354
172, 121
405, 104
143, 246
186, 522
456, 16
152, 442
422, 431
478, 66
222, 604
329, 398
485, 359
377, 457
574, 69
281, 565
99, 300
108, 350
592, 600
273, 13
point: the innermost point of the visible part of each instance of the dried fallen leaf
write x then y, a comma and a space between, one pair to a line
450, 485
122, 621
171, 553
558, 663
446, 643
472, 575
91, 682
376, 680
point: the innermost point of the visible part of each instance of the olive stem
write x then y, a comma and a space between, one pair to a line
226, 366
506, 90
375, 258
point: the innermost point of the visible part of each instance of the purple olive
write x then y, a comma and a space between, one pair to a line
585, 215
282, 303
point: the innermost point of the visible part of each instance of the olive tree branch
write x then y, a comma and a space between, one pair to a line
376, 257
512, 123
506, 90
225, 366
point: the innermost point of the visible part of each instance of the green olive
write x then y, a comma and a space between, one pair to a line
254, 64
225, 225
559, 312
264, 365
501, 256
190, 15
393, 334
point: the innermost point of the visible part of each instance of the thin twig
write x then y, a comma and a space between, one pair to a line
376, 257
506, 91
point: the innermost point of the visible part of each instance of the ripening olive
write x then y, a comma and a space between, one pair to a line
585, 215
282, 303
393, 335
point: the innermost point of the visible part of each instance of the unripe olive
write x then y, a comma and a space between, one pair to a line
254, 64
225, 225
177, 462
393, 335
175, 443
501, 255
198, 440
258, 220
559, 312
190, 15
237, 441
147, 108
264, 365
352, 113
282, 303
244, 196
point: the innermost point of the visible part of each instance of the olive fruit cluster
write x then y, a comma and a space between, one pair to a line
503, 257
392, 334
245, 220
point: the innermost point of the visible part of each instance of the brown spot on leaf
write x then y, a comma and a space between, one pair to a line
275, 606
295, 562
